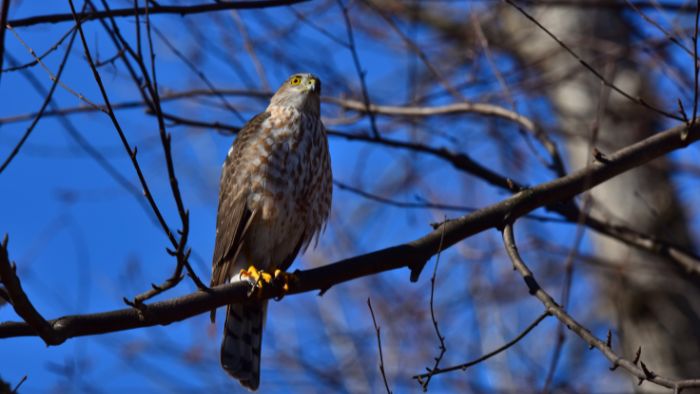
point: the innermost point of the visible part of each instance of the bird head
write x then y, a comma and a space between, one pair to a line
301, 91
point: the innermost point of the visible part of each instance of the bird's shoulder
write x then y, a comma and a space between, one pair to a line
251, 128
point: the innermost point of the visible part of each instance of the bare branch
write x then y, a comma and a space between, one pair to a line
680, 256
413, 254
358, 67
379, 345
198, 73
155, 9
3, 22
601, 77
56, 79
464, 366
442, 347
696, 68
110, 112
43, 55
557, 311
21, 304
19, 384
179, 244
51, 75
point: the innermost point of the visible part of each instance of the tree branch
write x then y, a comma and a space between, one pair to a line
154, 9
36, 324
44, 105
643, 373
3, 21
412, 254
683, 258
379, 345
464, 366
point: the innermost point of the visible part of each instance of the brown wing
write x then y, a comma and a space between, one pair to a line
233, 216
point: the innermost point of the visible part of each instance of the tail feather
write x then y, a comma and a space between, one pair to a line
240, 348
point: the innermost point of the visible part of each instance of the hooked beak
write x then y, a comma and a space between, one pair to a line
312, 85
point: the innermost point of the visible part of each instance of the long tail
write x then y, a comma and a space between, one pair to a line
240, 348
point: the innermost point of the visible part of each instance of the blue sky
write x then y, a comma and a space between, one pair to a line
82, 241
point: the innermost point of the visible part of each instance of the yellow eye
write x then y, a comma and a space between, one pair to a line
295, 81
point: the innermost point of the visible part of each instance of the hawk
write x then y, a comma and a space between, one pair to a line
274, 199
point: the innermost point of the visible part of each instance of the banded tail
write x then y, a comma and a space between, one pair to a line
240, 348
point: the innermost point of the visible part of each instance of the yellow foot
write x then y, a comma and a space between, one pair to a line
257, 278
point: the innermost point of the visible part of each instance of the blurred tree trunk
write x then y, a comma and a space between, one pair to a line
654, 304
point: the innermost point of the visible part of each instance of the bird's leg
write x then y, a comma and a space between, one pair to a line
282, 280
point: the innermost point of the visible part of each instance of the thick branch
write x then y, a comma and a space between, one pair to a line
176, 309
412, 254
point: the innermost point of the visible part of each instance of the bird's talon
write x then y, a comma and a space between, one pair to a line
255, 277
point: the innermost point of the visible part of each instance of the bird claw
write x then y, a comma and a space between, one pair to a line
256, 278
259, 278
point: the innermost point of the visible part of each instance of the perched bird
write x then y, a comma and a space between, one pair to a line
274, 199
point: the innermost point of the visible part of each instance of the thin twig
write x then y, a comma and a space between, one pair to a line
44, 104
180, 250
110, 60
486, 109
3, 22
571, 257
43, 55
250, 48
401, 204
696, 67
379, 345
199, 74
165, 137
67, 88
151, 96
443, 348
590, 68
417, 50
360, 72
110, 112
85, 145
427, 205
19, 384
512, 342
658, 26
